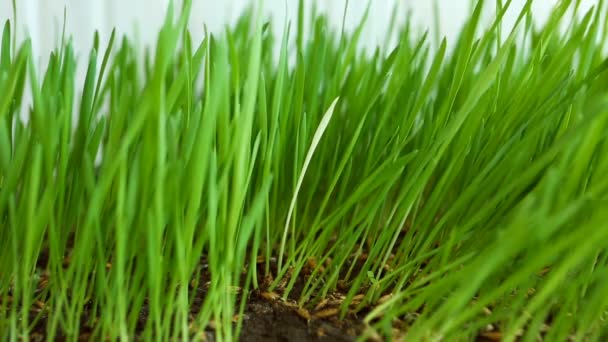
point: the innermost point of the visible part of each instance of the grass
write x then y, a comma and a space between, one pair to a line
469, 179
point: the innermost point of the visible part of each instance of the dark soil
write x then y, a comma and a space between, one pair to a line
267, 316
273, 321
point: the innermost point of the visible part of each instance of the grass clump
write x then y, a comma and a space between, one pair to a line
438, 190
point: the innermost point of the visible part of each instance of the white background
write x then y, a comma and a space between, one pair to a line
42, 19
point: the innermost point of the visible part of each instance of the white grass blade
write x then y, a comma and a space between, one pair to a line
313, 146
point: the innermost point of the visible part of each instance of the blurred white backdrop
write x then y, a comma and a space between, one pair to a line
42, 20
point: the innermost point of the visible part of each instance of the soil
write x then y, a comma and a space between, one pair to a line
267, 316
268, 321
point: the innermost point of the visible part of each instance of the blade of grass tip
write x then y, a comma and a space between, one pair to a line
86, 109
315, 141
343, 28
390, 32
104, 63
463, 60
96, 41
